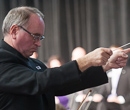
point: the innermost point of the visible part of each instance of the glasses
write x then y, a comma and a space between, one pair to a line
36, 38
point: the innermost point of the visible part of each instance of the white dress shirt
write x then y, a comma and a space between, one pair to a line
114, 74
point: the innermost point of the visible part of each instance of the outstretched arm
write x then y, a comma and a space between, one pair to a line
103, 57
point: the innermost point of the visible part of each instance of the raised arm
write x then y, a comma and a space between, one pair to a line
104, 57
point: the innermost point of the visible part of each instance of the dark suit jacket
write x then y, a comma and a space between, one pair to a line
27, 84
123, 88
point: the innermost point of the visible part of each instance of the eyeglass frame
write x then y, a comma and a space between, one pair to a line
34, 36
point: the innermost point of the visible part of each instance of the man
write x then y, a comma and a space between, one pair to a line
26, 83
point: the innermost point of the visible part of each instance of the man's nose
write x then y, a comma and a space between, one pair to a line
38, 43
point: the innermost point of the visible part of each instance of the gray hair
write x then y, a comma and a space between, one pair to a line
19, 16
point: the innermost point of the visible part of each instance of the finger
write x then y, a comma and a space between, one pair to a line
104, 60
120, 65
122, 61
106, 55
126, 50
108, 51
122, 54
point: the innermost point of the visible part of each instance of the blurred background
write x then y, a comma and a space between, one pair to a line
70, 23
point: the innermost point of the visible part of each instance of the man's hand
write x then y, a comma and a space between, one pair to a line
117, 60
98, 57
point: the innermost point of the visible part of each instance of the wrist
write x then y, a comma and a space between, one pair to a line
83, 63
106, 67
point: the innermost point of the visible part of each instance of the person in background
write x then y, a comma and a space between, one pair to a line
26, 83
116, 94
77, 53
57, 61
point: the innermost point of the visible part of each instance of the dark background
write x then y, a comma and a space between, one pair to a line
71, 23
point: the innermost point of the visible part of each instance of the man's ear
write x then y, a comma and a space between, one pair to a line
13, 31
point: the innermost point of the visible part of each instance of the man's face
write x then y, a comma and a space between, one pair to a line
24, 42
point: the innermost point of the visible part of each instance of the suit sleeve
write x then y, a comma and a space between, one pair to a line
19, 79
93, 76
